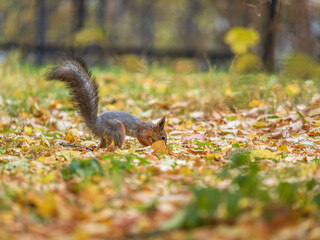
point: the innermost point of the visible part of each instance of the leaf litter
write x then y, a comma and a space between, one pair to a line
249, 173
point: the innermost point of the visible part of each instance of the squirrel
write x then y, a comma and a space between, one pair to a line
110, 126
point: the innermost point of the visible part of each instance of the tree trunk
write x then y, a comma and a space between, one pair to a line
101, 13
191, 33
305, 41
146, 26
270, 38
41, 30
116, 16
79, 14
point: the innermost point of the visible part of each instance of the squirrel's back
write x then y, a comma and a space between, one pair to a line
109, 126
83, 87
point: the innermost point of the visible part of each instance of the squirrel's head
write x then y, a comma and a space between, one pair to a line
159, 133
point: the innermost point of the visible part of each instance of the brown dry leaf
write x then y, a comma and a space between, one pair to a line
159, 147
276, 135
151, 157
200, 152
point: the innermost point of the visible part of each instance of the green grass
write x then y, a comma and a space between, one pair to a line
22, 83
224, 181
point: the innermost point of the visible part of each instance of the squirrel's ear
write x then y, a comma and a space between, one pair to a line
161, 123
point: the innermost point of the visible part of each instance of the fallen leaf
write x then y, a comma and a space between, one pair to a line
159, 147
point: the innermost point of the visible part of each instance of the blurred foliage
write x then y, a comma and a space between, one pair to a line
132, 63
19, 21
89, 36
133, 78
185, 65
247, 62
300, 65
122, 24
241, 40
247, 194
82, 168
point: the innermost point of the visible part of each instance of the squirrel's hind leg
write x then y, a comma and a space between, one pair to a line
103, 142
116, 135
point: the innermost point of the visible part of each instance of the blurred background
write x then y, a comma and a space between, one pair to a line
192, 32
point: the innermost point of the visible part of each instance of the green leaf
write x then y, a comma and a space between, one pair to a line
240, 158
287, 192
232, 204
235, 145
231, 118
273, 117
201, 144
316, 199
302, 117
311, 184
82, 168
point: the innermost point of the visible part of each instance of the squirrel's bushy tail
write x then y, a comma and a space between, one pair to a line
83, 87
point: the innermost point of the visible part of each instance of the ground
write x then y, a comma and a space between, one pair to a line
242, 160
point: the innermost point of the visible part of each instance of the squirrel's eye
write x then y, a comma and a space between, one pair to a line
163, 138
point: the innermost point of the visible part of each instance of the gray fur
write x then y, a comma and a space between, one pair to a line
109, 126
131, 123
83, 87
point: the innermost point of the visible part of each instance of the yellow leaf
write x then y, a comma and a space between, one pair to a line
25, 114
228, 92
81, 234
46, 205
41, 159
49, 178
189, 123
292, 89
263, 153
254, 103
24, 149
69, 138
92, 194
6, 217
27, 130
200, 128
283, 148
112, 107
185, 171
252, 135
